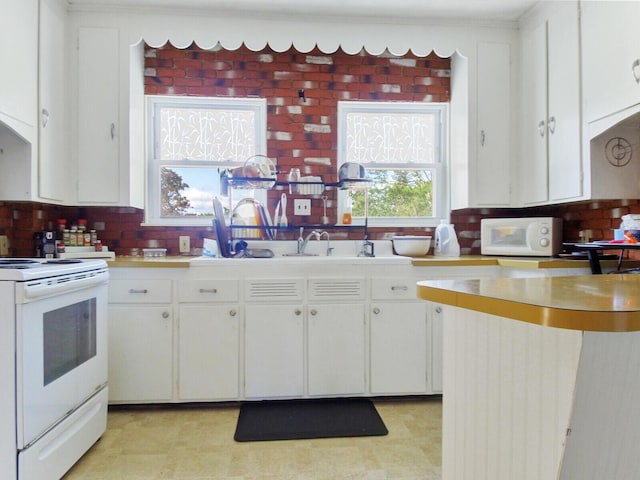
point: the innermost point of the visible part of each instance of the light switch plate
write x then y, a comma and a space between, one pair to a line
4, 245
302, 206
185, 246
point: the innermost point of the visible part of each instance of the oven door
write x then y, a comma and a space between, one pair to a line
61, 356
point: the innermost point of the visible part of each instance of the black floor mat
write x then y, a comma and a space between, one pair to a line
297, 419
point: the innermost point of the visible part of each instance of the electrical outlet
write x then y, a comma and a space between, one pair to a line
4, 245
302, 206
185, 246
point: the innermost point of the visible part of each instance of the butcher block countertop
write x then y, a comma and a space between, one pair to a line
597, 303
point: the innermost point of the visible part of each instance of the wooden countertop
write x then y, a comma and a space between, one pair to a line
600, 303
151, 262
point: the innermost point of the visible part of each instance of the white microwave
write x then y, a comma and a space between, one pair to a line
534, 236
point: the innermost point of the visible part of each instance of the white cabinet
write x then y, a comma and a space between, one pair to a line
208, 339
19, 59
274, 351
208, 352
611, 57
399, 348
98, 125
551, 168
53, 169
140, 340
399, 355
336, 349
494, 159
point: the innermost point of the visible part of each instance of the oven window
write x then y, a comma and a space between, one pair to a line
69, 338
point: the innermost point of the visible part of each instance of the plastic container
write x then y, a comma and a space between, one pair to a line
446, 241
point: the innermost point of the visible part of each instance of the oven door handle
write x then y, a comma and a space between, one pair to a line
47, 287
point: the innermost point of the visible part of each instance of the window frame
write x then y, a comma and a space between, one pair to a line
441, 184
153, 166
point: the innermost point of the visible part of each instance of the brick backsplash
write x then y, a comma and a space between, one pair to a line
123, 232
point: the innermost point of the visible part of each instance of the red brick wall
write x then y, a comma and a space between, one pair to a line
298, 129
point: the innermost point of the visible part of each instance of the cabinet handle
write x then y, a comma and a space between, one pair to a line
552, 124
438, 309
165, 314
541, 128
635, 70
313, 312
45, 117
404, 288
376, 310
232, 313
297, 311
113, 131
208, 290
134, 291
482, 138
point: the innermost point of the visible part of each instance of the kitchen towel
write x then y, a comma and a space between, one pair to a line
316, 418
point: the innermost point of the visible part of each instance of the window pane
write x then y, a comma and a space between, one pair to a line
397, 193
399, 138
188, 191
208, 134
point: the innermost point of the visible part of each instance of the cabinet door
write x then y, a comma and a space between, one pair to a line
53, 170
208, 352
534, 167
140, 353
336, 355
274, 362
611, 57
399, 348
493, 176
19, 60
99, 171
563, 122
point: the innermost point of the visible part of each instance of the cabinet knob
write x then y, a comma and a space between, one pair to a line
297, 312
635, 70
541, 128
45, 117
232, 313
438, 309
313, 312
165, 314
376, 310
552, 124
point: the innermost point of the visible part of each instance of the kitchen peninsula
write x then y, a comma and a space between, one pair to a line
540, 377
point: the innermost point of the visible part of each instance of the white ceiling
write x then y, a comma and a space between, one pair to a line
499, 10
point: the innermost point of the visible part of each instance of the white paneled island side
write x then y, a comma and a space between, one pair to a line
540, 377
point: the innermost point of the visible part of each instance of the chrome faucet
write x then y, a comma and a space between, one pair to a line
302, 241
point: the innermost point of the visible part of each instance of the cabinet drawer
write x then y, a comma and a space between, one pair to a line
140, 291
393, 288
203, 291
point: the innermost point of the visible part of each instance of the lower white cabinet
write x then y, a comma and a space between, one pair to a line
208, 352
399, 348
273, 351
336, 349
140, 353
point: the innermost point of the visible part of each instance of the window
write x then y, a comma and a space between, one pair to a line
191, 141
402, 146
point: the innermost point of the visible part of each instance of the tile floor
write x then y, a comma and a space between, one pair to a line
196, 443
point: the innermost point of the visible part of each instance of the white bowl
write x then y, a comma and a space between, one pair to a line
412, 245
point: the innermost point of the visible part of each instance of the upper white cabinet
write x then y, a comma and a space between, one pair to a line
19, 58
551, 160
98, 154
53, 142
611, 57
494, 129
